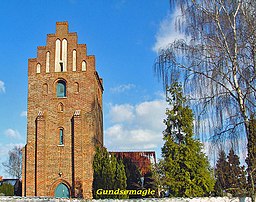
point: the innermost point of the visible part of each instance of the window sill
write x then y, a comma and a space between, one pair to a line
61, 145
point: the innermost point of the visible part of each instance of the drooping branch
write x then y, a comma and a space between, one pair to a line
216, 63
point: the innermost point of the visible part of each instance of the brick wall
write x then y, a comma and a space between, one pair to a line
78, 114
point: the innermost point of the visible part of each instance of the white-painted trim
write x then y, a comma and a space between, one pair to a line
74, 60
64, 54
47, 69
38, 68
84, 65
57, 55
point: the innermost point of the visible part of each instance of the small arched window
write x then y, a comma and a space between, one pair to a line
61, 88
61, 134
84, 66
74, 60
60, 107
64, 55
45, 89
38, 68
47, 69
76, 87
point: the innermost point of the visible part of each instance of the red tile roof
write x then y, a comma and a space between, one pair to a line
143, 159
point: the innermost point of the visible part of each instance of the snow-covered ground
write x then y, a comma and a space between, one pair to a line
205, 199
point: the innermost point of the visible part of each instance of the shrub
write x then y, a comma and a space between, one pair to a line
7, 189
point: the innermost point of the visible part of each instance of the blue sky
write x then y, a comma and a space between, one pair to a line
124, 35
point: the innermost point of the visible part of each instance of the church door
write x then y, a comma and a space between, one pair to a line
61, 191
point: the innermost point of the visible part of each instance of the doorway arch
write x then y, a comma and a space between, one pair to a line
62, 191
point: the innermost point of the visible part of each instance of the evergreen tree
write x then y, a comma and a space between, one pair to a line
251, 158
159, 178
236, 179
186, 168
230, 176
120, 178
120, 175
97, 171
132, 173
151, 182
221, 173
7, 189
109, 173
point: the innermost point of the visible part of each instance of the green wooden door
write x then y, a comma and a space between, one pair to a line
61, 191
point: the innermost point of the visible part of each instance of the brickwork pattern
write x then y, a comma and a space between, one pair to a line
46, 163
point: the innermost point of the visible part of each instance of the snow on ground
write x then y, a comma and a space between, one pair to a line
204, 199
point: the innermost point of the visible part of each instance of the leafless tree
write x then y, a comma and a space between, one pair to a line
217, 65
13, 165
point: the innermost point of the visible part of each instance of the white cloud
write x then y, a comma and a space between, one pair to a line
167, 32
122, 88
4, 149
121, 113
151, 113
24, 113
12, 133
136, 127
2, 87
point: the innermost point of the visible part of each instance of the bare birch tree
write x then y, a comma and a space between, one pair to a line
216, 64
13, 165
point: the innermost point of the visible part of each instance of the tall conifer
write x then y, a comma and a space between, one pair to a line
236, 175
109, 173
186, 168
221, 173
132, 173
230, 175
251, 158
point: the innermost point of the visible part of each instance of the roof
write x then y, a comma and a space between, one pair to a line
143, 159
9, 181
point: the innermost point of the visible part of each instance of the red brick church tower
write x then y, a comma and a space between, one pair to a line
64, 118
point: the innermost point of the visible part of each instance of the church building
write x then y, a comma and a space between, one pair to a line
64, 121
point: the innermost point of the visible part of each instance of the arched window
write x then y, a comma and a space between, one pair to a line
47, 69
57, 56
60, 107
45, 89
84, 66
76, 87
74, 60
61, 134
38, 68
61, 88
64, 55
